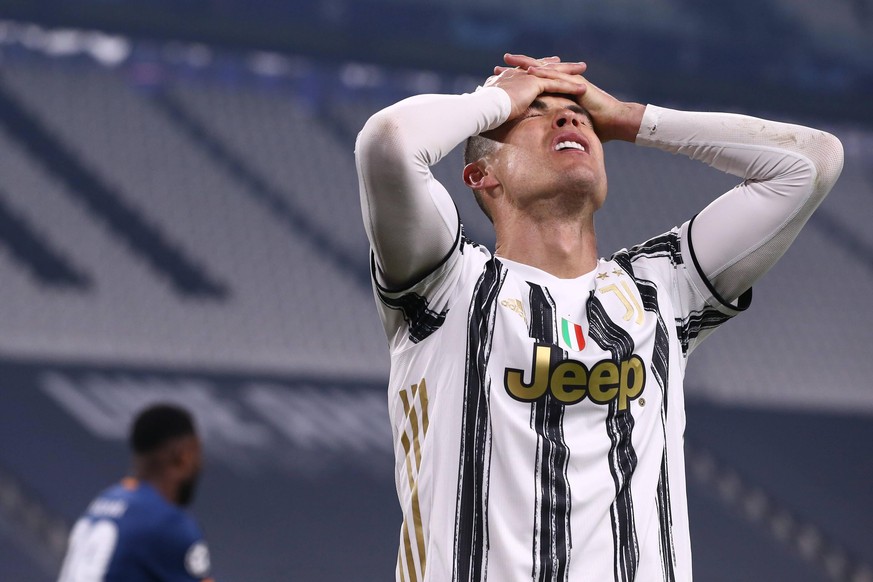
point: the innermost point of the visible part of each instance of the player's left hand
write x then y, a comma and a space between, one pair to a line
613, 119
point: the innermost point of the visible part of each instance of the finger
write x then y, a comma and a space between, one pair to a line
525, 61
514, 56
562, 86
568, 68
518, 60
570, 83
554, 73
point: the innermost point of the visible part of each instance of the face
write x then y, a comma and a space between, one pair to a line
187, 489
190, 468
550, 158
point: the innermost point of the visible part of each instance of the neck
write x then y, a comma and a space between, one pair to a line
563, 247
151, 473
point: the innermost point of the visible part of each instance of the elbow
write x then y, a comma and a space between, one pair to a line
831, 143
817, 166
380, 140
383, 155
827, 155
809, 171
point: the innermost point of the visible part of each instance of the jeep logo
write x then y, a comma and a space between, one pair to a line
570, 381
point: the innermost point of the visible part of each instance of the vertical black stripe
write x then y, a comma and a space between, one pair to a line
660, 369
622, 457
471, 515
551, 534
649, 296
665, 523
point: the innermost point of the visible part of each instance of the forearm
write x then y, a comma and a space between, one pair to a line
409, 217
787, 170
624, 124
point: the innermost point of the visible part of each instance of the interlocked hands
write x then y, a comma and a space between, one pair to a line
525, 78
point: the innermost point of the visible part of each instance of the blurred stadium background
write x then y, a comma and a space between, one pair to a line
179, 220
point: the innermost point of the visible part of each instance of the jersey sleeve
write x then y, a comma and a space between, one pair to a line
411, 221
663, 265
786, 171
180, 551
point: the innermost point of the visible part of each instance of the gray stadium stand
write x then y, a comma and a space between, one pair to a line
161, 174
250, 181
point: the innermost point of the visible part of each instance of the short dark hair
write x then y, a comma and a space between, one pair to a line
157, 425
476, 148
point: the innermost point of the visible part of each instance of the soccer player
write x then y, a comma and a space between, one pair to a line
536, 391
137, 531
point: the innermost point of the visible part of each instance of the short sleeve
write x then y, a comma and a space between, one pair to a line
697, 308
412, 314
181, 553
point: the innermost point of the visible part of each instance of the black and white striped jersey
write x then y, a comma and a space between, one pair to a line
539, 422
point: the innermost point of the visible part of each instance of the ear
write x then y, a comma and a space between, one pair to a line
176, 455
184, 453
479, 178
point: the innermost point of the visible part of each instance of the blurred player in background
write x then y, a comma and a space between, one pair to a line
536, 392
137, 531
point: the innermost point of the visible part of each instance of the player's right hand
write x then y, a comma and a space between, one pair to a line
613, 119
523, 87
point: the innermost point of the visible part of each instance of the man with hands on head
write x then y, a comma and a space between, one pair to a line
536, 391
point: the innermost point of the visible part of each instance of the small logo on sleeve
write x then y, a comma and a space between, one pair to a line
197, 560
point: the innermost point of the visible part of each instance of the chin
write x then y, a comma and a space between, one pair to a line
589, 187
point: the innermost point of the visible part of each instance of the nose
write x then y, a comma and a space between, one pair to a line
566, 117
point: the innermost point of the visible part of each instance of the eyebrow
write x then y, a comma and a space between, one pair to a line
540, 105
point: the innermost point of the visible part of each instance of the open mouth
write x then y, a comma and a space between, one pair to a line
569, 145
569, 141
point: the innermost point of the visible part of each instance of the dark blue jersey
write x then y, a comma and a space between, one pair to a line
130, 533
